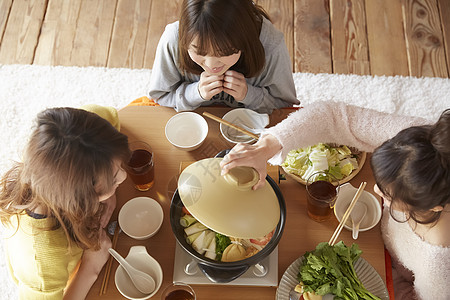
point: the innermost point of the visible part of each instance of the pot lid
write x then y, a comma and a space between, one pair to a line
227, 204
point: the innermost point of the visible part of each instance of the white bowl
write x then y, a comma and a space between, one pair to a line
345, 196
141, 217
186, 130
141, 260
241, 116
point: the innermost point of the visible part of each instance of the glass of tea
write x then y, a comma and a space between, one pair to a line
178, 291
140, 167
321, 191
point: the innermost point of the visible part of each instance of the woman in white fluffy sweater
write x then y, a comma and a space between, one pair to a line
411, 165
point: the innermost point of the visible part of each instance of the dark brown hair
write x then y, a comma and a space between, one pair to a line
413, 169
222, 28
67, 164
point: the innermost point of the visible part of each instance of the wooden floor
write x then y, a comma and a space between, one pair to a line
378, 37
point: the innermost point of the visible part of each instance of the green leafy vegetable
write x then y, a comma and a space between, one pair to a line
222, 242
338, 161
329, 270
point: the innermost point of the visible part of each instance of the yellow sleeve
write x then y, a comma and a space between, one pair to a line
108, 113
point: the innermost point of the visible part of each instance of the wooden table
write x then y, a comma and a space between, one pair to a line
300, 234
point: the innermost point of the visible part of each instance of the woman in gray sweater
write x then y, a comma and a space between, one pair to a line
222, 51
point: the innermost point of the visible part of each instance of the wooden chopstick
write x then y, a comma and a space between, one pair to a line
105, 281
234, 126
338, 230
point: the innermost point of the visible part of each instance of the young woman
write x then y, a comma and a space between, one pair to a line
411, 165
222, 51
56, 203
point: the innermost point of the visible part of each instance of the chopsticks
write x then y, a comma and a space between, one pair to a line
336, 233
220, 120
105, 281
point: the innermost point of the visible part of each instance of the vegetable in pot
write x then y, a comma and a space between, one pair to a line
203, 240
222, 243
213, 245
211, 250
187, 220
194, 228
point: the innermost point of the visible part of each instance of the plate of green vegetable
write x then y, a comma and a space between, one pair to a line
339, 160
336, 272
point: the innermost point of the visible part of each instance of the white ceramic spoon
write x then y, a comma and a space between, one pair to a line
357, 215
143, 282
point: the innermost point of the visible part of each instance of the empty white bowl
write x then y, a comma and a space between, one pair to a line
139, 258
345, 196
186, 130
241, 116
141, 217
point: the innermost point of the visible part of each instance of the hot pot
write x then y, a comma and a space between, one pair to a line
223, 272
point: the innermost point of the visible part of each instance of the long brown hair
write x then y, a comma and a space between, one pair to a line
67, 164
222, 28
413, 169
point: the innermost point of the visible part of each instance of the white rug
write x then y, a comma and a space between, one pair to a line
25, 90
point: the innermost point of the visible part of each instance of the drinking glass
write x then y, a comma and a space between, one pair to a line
321, 189
140, 167
178, 291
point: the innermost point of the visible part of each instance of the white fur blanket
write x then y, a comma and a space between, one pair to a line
27, 89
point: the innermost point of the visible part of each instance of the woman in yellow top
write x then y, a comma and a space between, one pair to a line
57, 202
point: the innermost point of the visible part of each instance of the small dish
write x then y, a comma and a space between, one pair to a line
240, 117
186, 130
344, 198
139, 258
141, 217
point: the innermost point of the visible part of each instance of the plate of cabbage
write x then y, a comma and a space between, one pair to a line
339, 160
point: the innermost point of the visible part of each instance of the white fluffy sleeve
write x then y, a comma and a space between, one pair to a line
333, 122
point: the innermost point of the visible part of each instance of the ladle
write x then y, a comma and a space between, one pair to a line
357, 215
142, 281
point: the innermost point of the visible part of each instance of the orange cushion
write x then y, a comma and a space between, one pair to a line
143, 101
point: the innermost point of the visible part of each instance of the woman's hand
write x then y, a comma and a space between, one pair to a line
95, 259
234, 84
255, 156
210, 85
109, 206
91, 265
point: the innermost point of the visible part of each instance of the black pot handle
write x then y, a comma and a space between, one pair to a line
222, 275
222, 153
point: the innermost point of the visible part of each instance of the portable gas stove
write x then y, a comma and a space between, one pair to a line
265, 273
